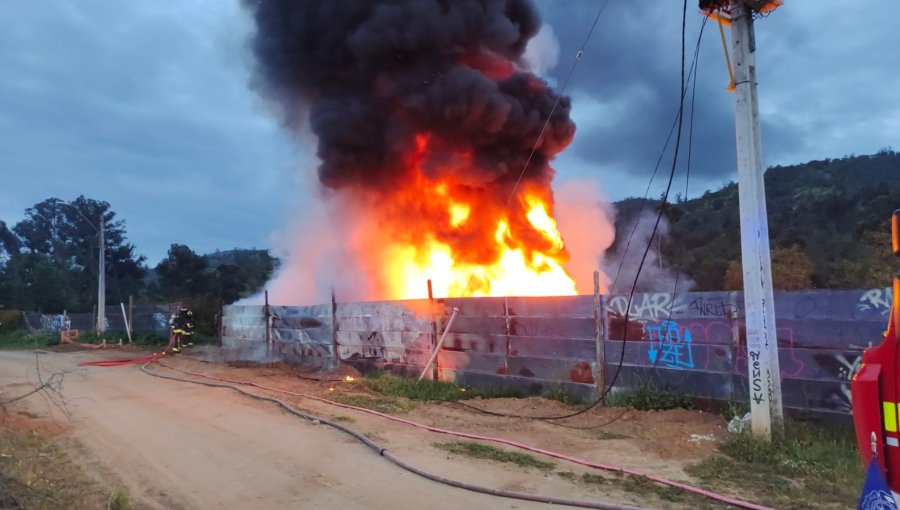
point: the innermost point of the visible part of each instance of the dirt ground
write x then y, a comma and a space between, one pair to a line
178, 445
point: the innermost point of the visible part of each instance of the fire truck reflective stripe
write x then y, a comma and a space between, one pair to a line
890, 416
891, 441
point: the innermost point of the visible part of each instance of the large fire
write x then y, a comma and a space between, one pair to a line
468, 243
435, 140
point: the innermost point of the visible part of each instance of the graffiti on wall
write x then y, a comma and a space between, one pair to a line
644, 306
875, 300
706, 307
658, 306
160, 321
56, 322
842, 366
670, 346
699, 338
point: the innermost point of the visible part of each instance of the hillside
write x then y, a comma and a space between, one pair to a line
835, 212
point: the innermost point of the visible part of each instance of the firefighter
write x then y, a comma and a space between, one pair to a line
181, 325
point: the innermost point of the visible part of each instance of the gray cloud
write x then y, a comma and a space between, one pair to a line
146, 105
825, 71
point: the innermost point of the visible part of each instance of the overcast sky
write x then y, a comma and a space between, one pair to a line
145, 104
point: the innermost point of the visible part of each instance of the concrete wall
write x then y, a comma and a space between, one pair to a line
297, 334
692, 343
696, 343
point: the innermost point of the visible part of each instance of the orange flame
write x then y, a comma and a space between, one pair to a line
467, 243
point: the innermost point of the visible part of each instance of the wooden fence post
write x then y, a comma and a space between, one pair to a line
336, 358
600, 332
131, 313
268, 325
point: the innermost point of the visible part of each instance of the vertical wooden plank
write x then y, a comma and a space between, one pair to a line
506, 317
336, 360
130, 315
599, 330
268, 318
436, 371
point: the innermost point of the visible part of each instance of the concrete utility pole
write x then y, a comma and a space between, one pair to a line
101, 282
101, 277
762, 342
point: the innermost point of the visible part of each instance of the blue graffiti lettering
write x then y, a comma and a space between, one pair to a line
669, 347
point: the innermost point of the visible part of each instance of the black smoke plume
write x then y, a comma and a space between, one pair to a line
369, 76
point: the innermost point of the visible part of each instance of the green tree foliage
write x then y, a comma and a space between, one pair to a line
791, 270
49, 262
33, 281
224, 275
205, 282
833, 211
252, 269
53, 257
183, 274
9, 243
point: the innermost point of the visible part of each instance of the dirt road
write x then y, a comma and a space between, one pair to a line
177, 445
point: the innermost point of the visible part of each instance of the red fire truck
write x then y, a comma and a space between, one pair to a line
876, 390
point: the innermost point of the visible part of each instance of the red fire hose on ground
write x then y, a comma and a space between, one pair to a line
120, 362
549, 453
155, 358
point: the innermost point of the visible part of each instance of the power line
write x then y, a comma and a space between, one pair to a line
537, 141
679, 119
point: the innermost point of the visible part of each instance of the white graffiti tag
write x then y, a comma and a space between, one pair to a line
645, 306
875, 300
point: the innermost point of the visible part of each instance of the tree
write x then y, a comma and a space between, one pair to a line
791, 270
9, 243
32, 281
230, 282
183, 274
65, 235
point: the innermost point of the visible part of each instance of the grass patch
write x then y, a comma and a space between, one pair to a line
427, 390
382, 404
732, 410
592, 479
650, 397
119, 500
586, 478
150, 339
23, 339
605, 435
560, 395
343, 419
566, 475
640, 485
812, 467
37, 472
481, 451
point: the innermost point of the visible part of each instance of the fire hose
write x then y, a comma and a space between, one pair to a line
584, 462
120, 362
383, 452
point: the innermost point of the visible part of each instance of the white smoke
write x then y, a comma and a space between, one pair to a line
656, 275
586, 221
319, 251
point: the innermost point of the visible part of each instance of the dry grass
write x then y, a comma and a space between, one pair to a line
36, 471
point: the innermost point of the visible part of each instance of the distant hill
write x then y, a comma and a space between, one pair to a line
835, 212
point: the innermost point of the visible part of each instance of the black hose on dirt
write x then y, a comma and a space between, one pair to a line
402, 464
